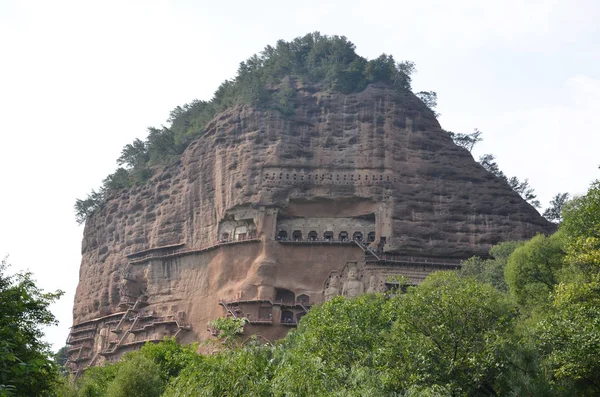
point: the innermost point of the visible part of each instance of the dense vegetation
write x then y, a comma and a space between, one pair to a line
524, 323
26, 367
264, 80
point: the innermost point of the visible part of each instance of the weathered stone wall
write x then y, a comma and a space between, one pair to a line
376, 152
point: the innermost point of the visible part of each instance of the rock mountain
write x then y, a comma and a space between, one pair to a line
268, 214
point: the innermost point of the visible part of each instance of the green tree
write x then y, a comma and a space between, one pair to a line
570, 336
581, 225
228, 328
429, 98
533, 269
490, 270
525, 190
134, 154
403, 78
554, 212
60, 358
450, 332
138, 376
170, 356
244, 371
26, 364
333, 343
488, 162
118, 180
95, 380
468, 141
85, 208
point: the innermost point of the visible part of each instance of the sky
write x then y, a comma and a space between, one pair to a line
80, 79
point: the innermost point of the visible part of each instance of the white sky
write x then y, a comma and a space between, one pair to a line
80, 79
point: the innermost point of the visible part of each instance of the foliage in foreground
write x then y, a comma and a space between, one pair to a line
524, 323
26, 367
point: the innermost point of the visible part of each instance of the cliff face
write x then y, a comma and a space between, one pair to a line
373, 166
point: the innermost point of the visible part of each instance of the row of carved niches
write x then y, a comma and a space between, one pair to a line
326, 229
354, 279
275, 176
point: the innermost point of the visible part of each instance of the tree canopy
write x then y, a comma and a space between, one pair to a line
524, 322
264, 80
26, 364
488, 162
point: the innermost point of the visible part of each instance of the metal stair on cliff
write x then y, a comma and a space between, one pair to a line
226, 307
370, 255
117, 330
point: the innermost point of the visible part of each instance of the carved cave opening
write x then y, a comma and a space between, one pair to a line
265, 312
287, 317
284, 295
231, 229
304, 299
371, 237
326, 228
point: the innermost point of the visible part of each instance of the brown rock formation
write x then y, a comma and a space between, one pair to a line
374, 166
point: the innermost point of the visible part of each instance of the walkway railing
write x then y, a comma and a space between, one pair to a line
318, 242
181, 252
372, 255
71, 340
83, 329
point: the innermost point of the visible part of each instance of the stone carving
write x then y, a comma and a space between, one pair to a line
103, 337
373, 284
353, 286
333, 289
125, 291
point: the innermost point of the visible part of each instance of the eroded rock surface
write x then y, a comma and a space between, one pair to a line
373, 166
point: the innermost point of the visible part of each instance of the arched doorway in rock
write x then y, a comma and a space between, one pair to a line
312, 236
343, 236
357, 236
265, 312
224, 236
297, 235
371, 237
303, 298
284, 295
282, 235
287, 317
328, 236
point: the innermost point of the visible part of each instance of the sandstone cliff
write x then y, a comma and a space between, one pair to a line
375, 163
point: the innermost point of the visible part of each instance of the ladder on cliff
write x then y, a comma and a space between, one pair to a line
227, 308
370, 254
126, 315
